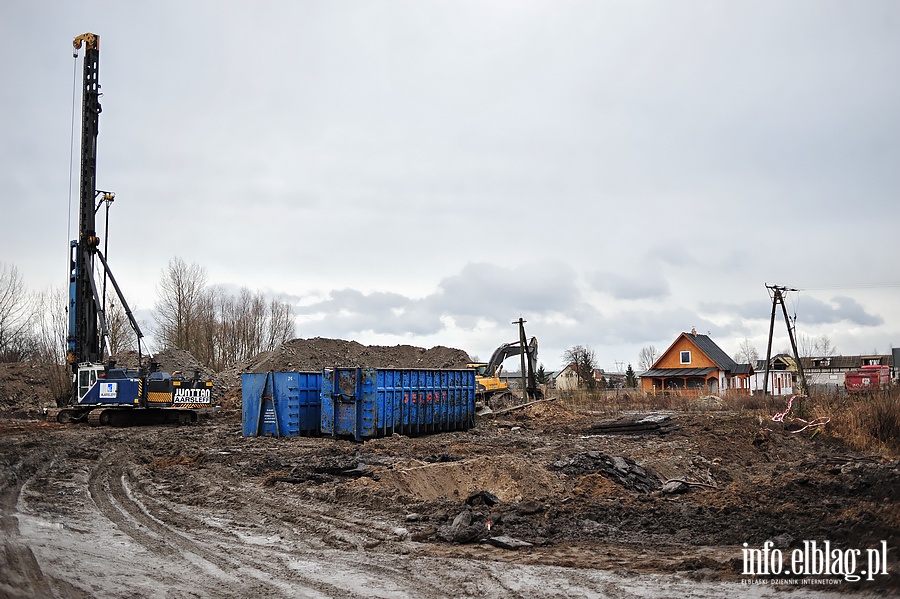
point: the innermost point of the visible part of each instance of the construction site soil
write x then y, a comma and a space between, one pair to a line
536, 502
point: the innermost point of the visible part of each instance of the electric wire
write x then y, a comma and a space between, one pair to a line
71, 157
879, 285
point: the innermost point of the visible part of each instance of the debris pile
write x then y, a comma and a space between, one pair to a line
624, 471
655, 424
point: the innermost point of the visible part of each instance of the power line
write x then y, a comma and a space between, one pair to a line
882, 285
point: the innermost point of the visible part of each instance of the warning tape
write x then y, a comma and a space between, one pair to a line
780, 416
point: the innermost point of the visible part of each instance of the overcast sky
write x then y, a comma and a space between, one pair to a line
428, 172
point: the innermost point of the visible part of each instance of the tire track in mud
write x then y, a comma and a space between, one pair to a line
20, 572
108, 491
333, 559
151, 524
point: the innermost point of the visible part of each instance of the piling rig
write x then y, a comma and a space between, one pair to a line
103, 394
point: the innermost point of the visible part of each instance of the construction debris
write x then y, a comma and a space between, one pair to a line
624, 471
507, 542
655, 424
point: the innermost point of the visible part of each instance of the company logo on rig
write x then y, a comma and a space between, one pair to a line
192, 396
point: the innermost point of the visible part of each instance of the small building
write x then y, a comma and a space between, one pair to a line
782, 376
827, 373
566, 379
695, 364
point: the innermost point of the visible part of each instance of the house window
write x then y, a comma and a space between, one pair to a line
685, 357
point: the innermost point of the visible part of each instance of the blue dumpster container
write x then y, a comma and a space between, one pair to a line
374, 402
281, 404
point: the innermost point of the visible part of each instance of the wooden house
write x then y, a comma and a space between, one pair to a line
695, 364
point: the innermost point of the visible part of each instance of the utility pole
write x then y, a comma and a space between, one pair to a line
521, 323
778, 298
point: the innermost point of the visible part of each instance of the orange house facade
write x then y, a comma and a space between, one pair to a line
695, 364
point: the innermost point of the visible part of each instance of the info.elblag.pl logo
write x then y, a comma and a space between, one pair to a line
816, 559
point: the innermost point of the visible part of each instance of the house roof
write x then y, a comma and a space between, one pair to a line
846, 362
708, 347
779, 362
713, 351
678, 372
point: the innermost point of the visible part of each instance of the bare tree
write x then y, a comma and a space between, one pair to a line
217, 328
647, 357
51, 330
824, 346
806, 346
16, 316
584, 362
746, 353
121, 336
281, 324
179, 295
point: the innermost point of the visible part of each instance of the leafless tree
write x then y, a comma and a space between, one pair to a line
820, 347
121, 336
217, 328
51, 330
746, 353
806, 346
16, 316
281, 324
179, 296
647, 357
584, 362
824, 346
51, 325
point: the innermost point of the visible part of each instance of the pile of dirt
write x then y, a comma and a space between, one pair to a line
309, 355
28, 387
173, 360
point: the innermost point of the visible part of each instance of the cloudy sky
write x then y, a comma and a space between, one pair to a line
428, 172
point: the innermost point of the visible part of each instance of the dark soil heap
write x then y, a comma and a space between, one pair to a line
25, 387
307, 355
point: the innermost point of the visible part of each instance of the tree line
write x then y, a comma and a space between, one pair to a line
218, 327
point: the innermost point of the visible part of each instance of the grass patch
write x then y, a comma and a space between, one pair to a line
869, 423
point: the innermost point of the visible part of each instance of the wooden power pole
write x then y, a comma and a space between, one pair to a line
778, 298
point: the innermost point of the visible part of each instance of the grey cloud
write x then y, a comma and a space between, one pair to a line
490, 291
639, 286
840, 309
749, 310
479, 292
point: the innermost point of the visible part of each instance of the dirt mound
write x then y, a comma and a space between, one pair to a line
29, 387
172, 360
512, 480
317, 353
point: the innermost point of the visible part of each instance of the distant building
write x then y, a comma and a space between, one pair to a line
782, 376
695, 364
566, 379
827, 372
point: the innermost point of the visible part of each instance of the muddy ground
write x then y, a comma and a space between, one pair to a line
533, 503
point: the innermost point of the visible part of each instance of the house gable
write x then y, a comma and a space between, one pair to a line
672, 358
694, 361
704, 353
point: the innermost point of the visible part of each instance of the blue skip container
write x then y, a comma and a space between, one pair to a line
364, 403
281, 404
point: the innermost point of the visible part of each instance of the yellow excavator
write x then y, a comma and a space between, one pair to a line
492, 392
